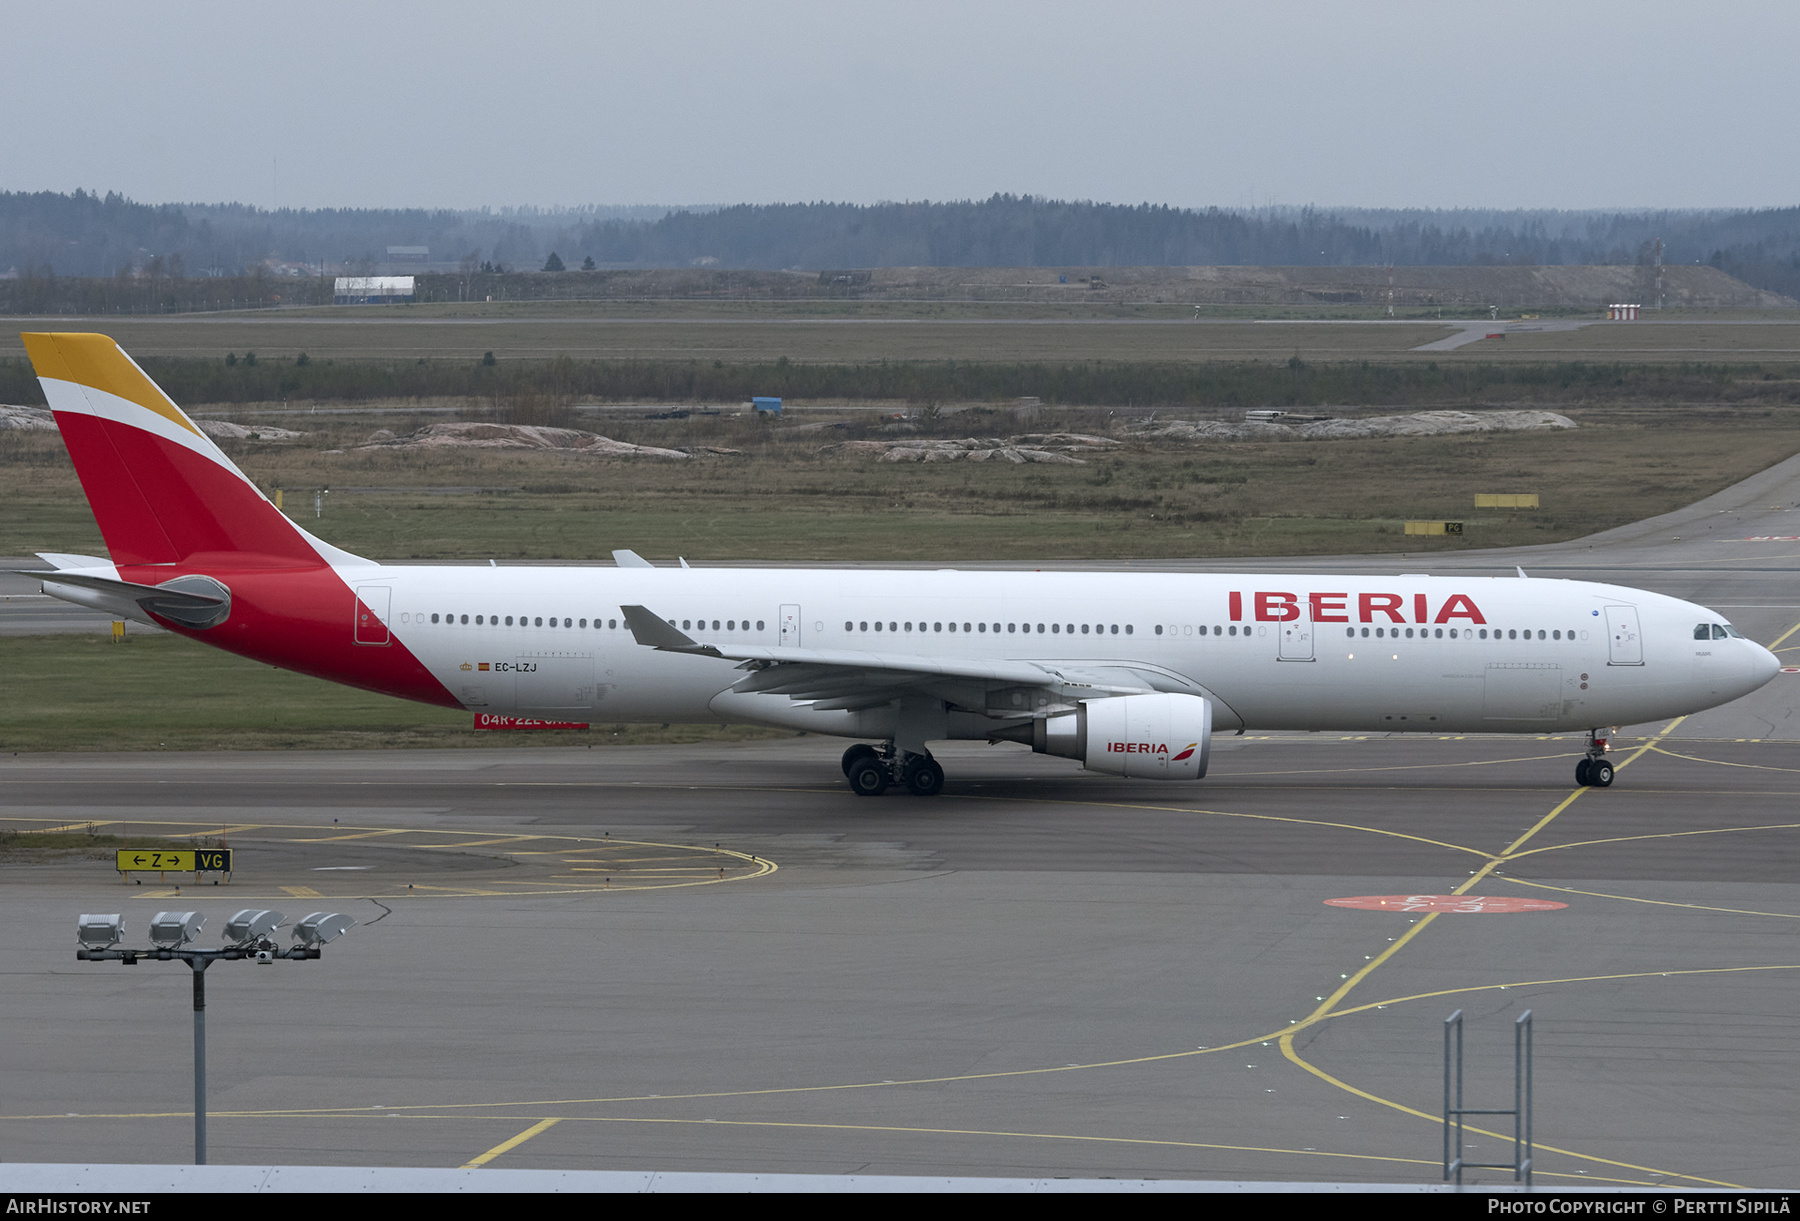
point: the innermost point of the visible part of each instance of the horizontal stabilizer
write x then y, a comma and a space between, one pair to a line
192, 601
56, 559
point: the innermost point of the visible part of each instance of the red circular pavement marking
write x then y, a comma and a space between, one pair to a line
1469, 904
1790, 669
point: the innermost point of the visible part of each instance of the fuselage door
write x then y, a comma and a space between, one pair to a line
554, 682
1624, 646
371, 612
790, 627
1296, 639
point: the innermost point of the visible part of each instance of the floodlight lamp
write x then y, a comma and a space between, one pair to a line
100, 932
172, 930
250, 925
321, 927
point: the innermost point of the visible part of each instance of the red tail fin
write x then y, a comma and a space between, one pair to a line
160, 489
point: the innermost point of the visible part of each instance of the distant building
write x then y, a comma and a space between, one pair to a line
409, 254
372, 290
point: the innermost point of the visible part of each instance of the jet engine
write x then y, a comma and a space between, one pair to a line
1149, 737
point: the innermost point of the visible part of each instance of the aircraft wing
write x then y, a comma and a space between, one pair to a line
854, 679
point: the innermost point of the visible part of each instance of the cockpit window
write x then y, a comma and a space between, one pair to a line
1703, 631
1716, 631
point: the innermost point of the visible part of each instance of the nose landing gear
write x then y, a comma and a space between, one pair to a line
1593, 770
871, 771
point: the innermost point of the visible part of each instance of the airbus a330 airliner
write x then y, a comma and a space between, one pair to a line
1131, 673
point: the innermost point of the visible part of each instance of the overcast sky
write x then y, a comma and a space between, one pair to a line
1516, 104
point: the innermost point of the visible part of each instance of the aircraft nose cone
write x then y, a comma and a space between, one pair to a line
1764, 666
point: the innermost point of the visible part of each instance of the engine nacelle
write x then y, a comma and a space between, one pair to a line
1149, 737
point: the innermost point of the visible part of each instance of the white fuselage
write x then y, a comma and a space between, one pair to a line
1272, 652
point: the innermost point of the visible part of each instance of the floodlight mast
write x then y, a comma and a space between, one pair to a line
249, 931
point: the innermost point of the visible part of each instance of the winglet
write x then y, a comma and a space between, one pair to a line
657, 633
630, 559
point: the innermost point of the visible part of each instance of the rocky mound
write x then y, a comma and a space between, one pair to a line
1036, 447
1415, 424
225, 430
468, 435
26, 419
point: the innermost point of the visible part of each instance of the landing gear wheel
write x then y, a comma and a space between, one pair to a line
1600, 774
1581, 771
923, 777
868, 776
855, 753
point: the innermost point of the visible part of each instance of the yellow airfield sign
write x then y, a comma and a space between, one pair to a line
204, 860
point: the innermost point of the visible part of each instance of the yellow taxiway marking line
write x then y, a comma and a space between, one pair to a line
1260, 1040
1325, 1008
1307, 822
1014, 1135
1512, 848
585, 867
332, 839
767, 867
458, 890
1760, 767
1626, 839
1404, 767
1548, 983
1072, 1137
477, 1162
1784, 636
1699, 907
96, 823
1330, 1002
588, 853
1287, 1049
761, 866
480, 843
1475, 879
302, 892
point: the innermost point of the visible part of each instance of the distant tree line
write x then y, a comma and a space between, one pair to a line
86, 235
159, 289
1126, 386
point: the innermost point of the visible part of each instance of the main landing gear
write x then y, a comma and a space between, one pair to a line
870, 771
1593, 770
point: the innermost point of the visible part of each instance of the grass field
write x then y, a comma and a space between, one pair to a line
539, 335
788, 497
46, 847
859, 333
